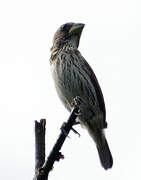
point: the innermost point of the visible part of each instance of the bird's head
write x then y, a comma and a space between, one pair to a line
68, 35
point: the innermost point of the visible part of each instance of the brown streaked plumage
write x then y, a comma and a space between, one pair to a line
74, 77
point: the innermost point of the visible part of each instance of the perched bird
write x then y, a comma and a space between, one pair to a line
74, 77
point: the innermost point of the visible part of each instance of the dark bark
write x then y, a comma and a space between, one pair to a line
55, 155
39, 144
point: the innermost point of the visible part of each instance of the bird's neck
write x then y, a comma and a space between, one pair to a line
62, 44
64, 47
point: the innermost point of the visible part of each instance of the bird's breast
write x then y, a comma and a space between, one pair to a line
61, 76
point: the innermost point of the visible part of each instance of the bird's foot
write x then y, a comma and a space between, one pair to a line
76, 103
76, 123
78, 113
75, 131
66, 133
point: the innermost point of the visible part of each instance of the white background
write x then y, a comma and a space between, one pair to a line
111, 43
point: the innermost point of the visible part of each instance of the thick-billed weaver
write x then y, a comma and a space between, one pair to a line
74, 77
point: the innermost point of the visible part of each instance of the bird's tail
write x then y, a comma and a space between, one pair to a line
105, 155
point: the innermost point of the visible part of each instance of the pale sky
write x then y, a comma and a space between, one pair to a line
111, 43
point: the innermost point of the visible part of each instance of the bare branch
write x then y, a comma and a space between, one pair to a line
55, 154
39, 144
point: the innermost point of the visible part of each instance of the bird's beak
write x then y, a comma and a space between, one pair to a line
76, 29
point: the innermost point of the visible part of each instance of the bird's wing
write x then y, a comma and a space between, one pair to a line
86, 67
97, 87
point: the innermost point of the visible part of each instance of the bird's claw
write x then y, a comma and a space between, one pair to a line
64, 131
75, 131
78, 113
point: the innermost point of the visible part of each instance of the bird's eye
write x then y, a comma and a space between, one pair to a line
63, 27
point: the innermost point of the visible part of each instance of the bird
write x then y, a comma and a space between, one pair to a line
74, 78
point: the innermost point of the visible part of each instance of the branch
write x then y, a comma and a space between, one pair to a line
55, 154
39, 144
